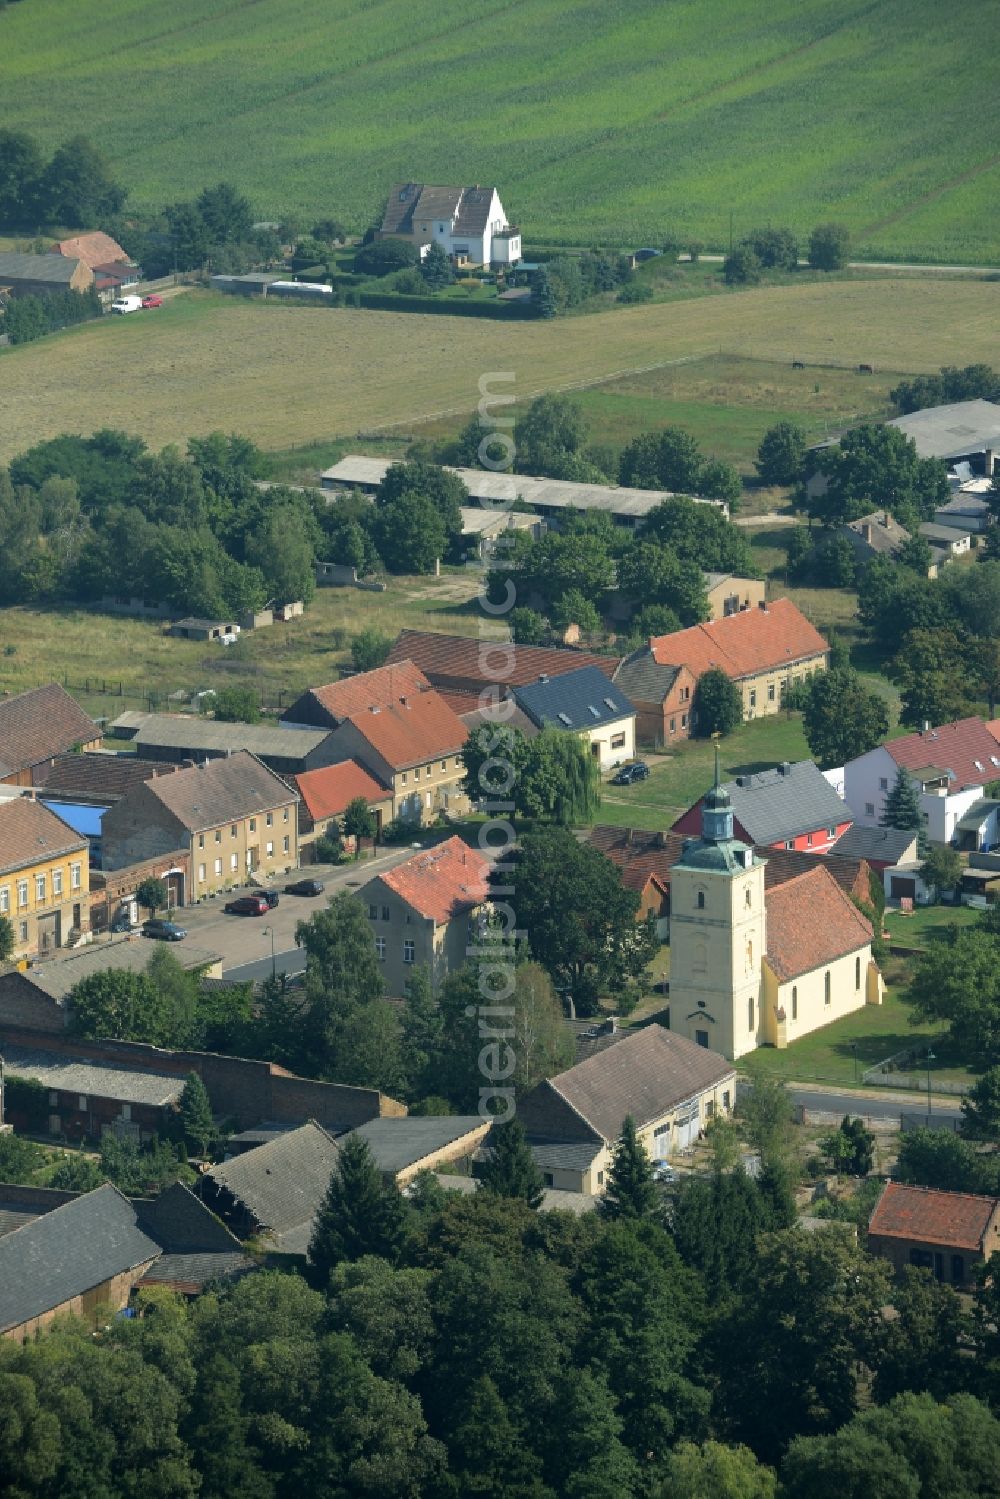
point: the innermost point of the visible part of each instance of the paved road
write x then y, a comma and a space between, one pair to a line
887, 265
291, 962
877, 1106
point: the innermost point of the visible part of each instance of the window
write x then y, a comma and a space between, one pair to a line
826, 988
789, 843
753, 697
795, 1001
869, 809
372, 912
600, 1178
82, 1102
548, 1178
39, 887
218, 869
725, 1099
201, 874
201, 840
661, 1129
380, 949
748, 898
702, 1038
126, 1112
22, 931
232, 830
673, 725
269, 819
75, 875
385, 913
409, 951
218, 835
957, 1270
269, 851
684, 720
444, 765
701, 900
234, 863
857, 973
750, 1009
253, 824
403, 778
831, 832
618, 741
883, 784
284, 844
809, 839
284, 815
57, 882
770, 692
709, 1109
4, 899
22, 894
416, 772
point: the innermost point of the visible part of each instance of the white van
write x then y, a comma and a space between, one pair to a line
127, 304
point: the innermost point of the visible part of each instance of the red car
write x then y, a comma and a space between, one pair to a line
247, 905
152, 301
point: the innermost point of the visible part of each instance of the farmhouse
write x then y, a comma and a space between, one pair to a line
762, 650
325, 795
402, 1148
328, 707
950, 764
457, 664
583, 702
40, 275
95, 249
791, 806
661, 695
276, 1189
35, 726
468, 223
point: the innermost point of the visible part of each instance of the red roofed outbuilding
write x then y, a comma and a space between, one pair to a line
325, 796
948, 1233
413, 745
426, 911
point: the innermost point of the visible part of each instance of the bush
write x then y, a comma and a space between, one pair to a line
29, 1099
329, 849
636, 292
370, 649
19, 1159
383, 256
742, 267
828, 247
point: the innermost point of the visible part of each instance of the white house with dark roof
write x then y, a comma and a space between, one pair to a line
583, 702
468, 223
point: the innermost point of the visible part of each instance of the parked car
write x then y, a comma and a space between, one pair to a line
272, 897
126, 304
635, 770
664, 1173
305, 887
247, 905
163, 931
152, 300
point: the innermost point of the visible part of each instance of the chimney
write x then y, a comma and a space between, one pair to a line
866, 531
404, 701
785, 769
925, 727
543, 676
763, 605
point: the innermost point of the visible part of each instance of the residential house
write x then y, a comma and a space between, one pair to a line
949, 540
790, 806
176, 738
275, 1191
661, 695
978, 829
762, 650
893, 856
951, 765
44, 877
468, 223
968, 509
402, 1148
325, 795
459, 664
414, 747
425, 911
37, 725
751, 967
583, 702
878, 534
235, 818
948, 1233
671, 1088
729, 594
95, 249
41, 275
330, 706
81, 788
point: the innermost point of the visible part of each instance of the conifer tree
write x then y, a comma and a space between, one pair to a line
902, 809
361, 1214
196, 1115
511, 1169
631, 1192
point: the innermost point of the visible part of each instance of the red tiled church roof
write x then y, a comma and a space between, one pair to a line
743, 644
929, 1216
810, 921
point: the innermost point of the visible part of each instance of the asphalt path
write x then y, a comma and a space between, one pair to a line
870, 1106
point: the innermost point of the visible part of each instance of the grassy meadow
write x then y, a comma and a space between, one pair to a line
611, 122
287, 375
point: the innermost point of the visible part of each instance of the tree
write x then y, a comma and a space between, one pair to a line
927, 1341
226, 214
580, 920
543, 297
902, 808
121, 1005
76, 187
631, 1192
369, 649
828, 247
510, 1170
781, 454
527, 626
329, 231
981, 1107
445, 490
410, 534
236, 705
6, 939
715, 1223
670, 459
718, 704
942, 868
742, 267
700, 534
938, 1158
76, 1173
574, 608
842, 717
436, 268
877, 467
196, 1115
714, 1471
19, 1159
850, 1149
650, 573
777, 249
558, 779
549, 434
383, 256
358, 820
931, 671
281, 548
361, 1214
153, 894
343, 978
21, 169
423, 1036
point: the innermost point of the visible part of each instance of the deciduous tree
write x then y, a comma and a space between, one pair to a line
718, 704
842, 717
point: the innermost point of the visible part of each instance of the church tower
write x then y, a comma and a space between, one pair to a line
717, 934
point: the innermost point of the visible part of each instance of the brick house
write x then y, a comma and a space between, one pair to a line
790, 806
234, 818
661, 695
87, 1100
44, 877
424, 911
948, 1233
330, 706
414, 747
37, 725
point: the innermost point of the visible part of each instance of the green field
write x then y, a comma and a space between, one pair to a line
609, 122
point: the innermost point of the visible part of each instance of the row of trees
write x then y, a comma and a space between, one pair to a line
24, 319
73, 187
778, 249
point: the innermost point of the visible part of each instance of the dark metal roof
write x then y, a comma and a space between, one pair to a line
56, 268
578, 700
398, 1143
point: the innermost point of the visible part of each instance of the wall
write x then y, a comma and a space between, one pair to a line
411, 787
27, 915
112, 1294
601, 741
762, 692
803, 1000
944, 813
441, 949
214, 851
748, 593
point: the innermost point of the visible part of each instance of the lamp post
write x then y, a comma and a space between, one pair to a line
930, 1058
269, 931
854, 1049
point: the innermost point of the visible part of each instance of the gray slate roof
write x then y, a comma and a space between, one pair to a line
94, 1079
18, 267
398, 1143
952, 431
645, 1075
564, 1155
188, 735
886, 845
67, 1252
643, 678
194, 1271
182, 1224
783, 802
57, 976
283, 1183
577, 700
220, 791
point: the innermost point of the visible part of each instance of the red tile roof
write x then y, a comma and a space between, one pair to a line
810, 921
929, 1216
29, 833
443, 882
41, 723
422, 728
465, 664
327, 792
742, 645
378, 688
954, 746
96, 249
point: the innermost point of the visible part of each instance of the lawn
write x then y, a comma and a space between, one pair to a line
609, 123
288, 375
928, 923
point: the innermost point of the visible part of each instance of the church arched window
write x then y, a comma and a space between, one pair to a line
749, 897
700, 961
701, 900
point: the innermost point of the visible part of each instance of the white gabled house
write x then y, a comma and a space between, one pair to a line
467, 222
950, 764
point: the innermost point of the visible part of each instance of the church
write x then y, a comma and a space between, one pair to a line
750, 969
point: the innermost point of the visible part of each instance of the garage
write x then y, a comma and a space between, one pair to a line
901, 888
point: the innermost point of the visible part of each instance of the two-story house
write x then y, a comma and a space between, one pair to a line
426, 911
950, 764
328, 706
413, 746
44, 877
236, 819
469, 223
583, 702
789, 806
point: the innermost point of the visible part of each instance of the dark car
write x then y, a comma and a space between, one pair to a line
636, 770
272, 897
305, 887
247, 905
639, 769
164, 931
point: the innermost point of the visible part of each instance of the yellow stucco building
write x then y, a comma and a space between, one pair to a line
44, 877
